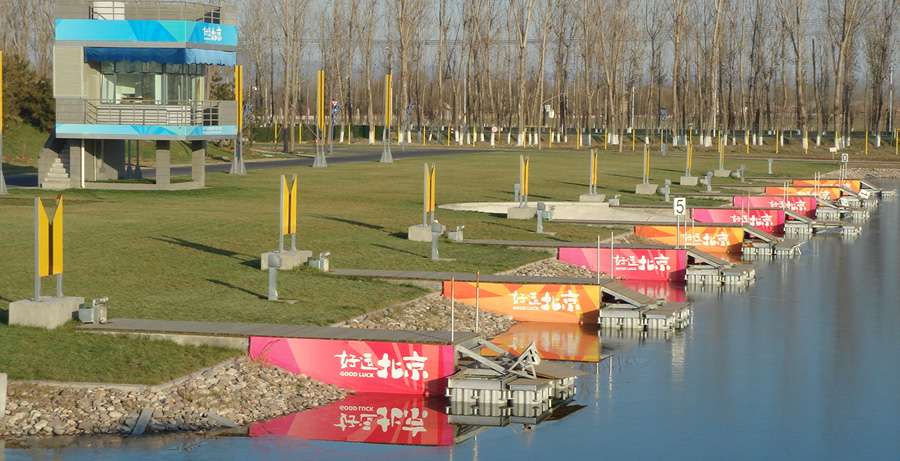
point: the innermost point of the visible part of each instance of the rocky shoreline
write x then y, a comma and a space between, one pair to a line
874, 173
234, 393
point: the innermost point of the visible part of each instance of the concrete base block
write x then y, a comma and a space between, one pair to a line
521, 213
646, 189
422, 233
596, 198
3, 382
721, 173
289, 259
688, 181
47, 313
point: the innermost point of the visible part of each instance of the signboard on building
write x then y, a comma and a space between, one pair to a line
363, 366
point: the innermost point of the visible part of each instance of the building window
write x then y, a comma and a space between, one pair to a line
151, 83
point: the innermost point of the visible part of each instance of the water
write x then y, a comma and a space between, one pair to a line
803, 364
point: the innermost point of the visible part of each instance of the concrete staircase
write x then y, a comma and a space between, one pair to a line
53, 165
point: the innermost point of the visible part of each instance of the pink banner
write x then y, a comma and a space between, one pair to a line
771, 220
803, 204
368, 417
629, 263
363, 366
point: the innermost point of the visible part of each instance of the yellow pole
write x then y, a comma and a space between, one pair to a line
423, 135
448, 135
806, 138
551, 138
275, 125
896, 146
605, 138
239, 95
776, 142
747, 138
866, 141
690, 154
632, 140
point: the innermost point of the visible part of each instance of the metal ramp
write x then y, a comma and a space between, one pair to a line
798, 224
506, 383
708, 258
629, 295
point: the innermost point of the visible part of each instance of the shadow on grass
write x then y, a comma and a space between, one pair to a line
252, 263
350, 221
4, 316
199, 246
378, 245
228, 285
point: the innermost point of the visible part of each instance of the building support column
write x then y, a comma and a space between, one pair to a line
163, 164
198, 163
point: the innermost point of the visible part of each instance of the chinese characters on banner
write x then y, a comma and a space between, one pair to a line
363, 366
629, 263
803, 204
850, 184
368, 417
533, 302
771, 221
711, 239
825, 193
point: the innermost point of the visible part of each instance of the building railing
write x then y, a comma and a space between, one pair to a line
147, 112
158, 10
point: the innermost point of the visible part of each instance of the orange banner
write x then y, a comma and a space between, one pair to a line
712, 239
852, 184
533, 302
825, 193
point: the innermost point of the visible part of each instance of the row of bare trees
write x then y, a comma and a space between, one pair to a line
711, 66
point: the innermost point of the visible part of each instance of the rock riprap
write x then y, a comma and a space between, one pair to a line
240, 391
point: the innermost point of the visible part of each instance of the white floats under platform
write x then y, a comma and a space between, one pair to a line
669, 317
48, 312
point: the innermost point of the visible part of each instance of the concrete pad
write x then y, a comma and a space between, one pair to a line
143, 420
646, 189
3, 383
688, 181
595, 198
721, 173
289, 259
422, 233
521, 213
47, 313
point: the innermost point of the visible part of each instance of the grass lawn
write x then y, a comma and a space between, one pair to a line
194, 255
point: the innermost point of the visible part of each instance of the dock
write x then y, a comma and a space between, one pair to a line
239, 334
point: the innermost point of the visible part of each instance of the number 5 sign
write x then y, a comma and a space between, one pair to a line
679, 206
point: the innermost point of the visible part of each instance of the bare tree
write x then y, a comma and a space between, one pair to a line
879, 52
842, 21
522, 13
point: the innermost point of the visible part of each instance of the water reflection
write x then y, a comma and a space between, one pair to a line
554, 341
401, 419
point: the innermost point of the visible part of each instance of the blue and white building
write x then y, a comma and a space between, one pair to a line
130, 71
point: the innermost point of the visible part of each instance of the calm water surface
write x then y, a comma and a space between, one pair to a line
803, 364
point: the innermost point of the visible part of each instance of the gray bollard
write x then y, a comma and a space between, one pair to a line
663, 149
435, 233
770, 166
274, 265
709, 176
541, 209
667, 187
742, 173
517, 191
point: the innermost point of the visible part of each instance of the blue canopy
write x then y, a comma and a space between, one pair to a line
164, 55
